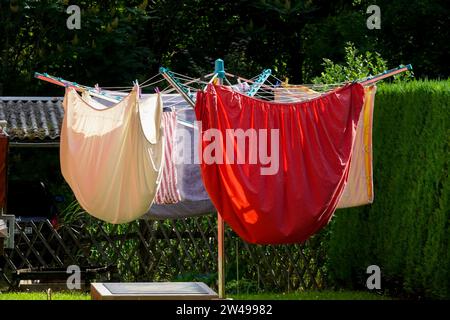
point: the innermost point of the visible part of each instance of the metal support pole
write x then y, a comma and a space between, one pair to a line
178, 86
221, 256
220, 74
65, 83
387, 74
259, 82
220, 71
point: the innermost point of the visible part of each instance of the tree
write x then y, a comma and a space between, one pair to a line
108, 49
416, 32
120, 40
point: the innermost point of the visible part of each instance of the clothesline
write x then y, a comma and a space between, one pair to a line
130, 87
256, 224
266, 91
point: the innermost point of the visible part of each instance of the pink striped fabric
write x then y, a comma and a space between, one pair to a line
168, 191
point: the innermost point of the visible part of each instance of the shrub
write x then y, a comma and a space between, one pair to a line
356, 66
406, 231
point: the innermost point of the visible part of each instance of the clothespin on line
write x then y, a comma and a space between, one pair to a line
136, 83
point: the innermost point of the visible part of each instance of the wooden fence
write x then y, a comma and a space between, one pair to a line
170, 250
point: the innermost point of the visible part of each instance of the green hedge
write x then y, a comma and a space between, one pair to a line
406, 231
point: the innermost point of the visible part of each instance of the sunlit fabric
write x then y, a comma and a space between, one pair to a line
168, 192
309, 144
359, 188
194, 198
112, 157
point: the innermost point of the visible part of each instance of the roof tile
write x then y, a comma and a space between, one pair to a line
32, 119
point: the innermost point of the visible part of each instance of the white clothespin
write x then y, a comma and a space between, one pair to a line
136, 83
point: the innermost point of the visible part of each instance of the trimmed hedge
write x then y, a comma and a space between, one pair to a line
406, 231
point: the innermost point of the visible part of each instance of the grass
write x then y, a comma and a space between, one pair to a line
311, 295
43, 296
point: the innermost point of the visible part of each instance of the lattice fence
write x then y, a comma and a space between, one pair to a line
182, 249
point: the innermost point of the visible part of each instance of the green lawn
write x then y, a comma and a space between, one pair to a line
312, 295
43, 296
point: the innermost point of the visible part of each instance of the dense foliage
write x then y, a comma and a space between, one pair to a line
406, 231
120, 41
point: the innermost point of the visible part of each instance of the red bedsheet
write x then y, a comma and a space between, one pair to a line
309, 145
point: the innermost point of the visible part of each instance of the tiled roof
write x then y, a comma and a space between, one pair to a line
32, 119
